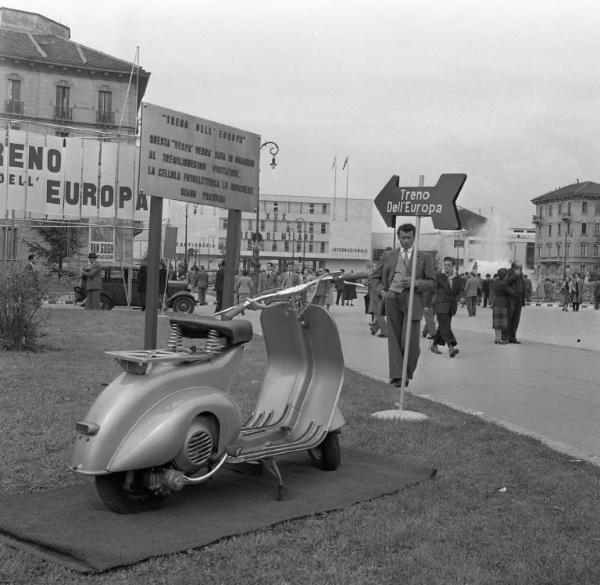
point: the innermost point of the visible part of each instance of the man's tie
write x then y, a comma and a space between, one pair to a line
405, 257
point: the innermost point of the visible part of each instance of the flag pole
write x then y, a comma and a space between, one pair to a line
334, 183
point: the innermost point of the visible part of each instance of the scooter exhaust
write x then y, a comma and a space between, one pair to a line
175, 480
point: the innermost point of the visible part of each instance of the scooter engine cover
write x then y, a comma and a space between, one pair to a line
197, 447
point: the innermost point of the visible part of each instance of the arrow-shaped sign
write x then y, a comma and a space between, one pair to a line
437, 202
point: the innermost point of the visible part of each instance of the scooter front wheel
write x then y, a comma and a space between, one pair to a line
327, 455
127, 495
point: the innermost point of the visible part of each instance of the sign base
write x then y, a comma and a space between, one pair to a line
397, 414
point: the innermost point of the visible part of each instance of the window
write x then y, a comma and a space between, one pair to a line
583, 250
311, 228
549, 210
550, 229
539, 250
559, 229
298, 247
223, 224
286, 246
559, 208
597, 208
596, 249
262, 225
311, 208
324, 208
569, 208
62, 109
323, 248
275, 224
14, 105
323, 228
275, 207
597, 229
310, 247
250, 225
558, 247
274, 246
105, 114
584, 207
583, 228
567, 249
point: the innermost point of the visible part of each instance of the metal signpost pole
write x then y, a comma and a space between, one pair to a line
437, 202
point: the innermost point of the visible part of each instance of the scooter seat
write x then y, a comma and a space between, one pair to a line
236, 331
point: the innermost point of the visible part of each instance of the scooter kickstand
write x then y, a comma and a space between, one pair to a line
271, 466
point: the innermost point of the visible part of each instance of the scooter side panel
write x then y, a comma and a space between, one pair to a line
125, 402
158, 437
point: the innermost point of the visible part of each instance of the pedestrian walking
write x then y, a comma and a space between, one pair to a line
566, 293
515, 281
243, 287
576, 288
202, 285
471, 293
93, 282
502, 293
445, 305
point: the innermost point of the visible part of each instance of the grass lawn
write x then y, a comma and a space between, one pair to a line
503, 509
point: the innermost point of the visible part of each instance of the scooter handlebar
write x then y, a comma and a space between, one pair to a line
255, 303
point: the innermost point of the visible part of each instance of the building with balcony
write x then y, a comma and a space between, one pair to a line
567, 238
55, 91
57, 85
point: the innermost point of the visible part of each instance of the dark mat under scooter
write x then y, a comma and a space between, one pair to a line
70, 525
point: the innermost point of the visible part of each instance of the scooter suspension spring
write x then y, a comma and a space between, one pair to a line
214, 343
175, 341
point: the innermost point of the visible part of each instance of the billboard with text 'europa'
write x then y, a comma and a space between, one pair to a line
198, 161
44, 175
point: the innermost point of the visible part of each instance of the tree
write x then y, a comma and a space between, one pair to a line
60, 240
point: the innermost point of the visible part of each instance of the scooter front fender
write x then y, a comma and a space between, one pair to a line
159, 433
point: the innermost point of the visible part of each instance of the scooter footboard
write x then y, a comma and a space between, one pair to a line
305, 369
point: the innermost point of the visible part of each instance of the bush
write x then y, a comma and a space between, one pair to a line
21, 295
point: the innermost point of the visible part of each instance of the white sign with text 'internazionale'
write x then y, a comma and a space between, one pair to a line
198, 161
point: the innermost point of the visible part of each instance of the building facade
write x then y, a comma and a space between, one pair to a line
67, 96
567, 236
308, 231
60, 86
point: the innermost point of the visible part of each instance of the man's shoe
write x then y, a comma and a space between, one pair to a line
452, 351
434, 348
397, 382
513, 341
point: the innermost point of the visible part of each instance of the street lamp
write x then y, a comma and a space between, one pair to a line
567, 230
257, 236
302, 231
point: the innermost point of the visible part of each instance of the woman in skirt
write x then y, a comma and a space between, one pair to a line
502, 293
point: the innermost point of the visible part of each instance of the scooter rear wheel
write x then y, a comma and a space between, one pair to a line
123, 499
327, 455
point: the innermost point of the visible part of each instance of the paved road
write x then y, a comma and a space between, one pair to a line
549, 386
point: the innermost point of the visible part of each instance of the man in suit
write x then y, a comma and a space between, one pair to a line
515, 281
290, 277
267, 280
445, 304
391, 279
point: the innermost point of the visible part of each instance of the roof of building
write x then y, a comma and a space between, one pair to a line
469, 219
584, 189
55, 50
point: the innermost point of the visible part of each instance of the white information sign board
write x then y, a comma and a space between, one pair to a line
198, 161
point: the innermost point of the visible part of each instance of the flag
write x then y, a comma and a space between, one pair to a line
334, 163
345, 163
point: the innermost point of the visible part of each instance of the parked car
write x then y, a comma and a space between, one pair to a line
115, 289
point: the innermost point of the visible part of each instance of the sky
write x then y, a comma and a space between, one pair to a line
506, 92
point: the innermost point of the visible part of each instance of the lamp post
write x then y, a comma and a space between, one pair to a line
257, 236
302, 231
567, 230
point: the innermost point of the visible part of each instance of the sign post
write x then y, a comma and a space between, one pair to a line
197, 161
438, 203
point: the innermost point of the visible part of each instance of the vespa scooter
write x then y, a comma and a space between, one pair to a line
169, 421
